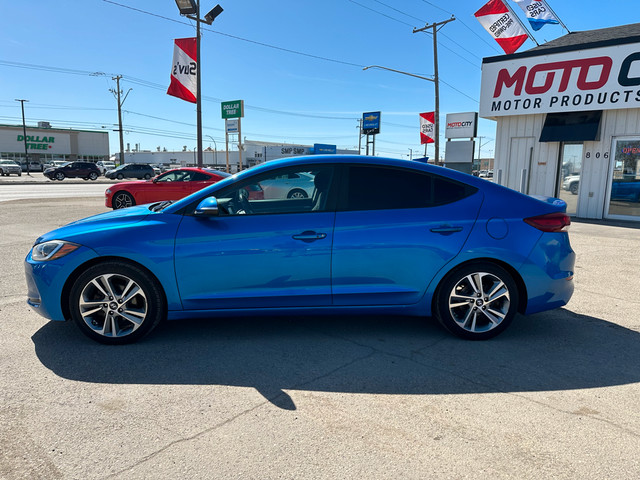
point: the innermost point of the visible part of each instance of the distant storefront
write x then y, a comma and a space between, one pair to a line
568, 120
253, 153
45, 144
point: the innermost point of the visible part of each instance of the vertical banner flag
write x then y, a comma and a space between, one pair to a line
183, 72
427, 127
538, 13
502, 24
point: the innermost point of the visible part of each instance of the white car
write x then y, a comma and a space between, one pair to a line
105, 166
293, 185
8, 167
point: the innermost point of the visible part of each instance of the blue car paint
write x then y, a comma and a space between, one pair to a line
180, 251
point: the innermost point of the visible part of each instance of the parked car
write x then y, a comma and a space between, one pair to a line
9, 167
171, 185
627, 188
292, 185
131, 170
373, 236
54, 164
105, 166
571, 183
84, 170
34, 166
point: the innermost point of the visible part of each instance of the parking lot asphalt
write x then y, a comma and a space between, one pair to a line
555, 396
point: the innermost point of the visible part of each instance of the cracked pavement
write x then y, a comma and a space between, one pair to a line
325, 397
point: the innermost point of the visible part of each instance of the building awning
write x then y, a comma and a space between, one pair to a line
571, 127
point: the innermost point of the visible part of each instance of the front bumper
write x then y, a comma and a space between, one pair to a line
46, 281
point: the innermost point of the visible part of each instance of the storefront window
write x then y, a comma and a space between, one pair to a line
569, 178
624, 198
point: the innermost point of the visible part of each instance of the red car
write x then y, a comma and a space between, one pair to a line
171, 185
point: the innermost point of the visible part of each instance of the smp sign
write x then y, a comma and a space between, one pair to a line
233, 109
371, 123
604, 78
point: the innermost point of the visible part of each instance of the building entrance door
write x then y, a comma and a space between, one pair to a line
569, 172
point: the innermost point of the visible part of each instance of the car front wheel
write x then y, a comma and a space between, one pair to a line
59, 176
120, 176
477, 301
116, 303
122, 200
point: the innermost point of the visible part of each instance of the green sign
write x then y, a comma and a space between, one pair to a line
233, 109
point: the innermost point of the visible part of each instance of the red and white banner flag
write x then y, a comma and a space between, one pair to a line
183, 72
427, 127
503, 25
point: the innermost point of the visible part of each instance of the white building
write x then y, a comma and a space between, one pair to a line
253, 153
568, 113
45, 144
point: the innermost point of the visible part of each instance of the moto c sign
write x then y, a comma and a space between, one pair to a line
604, 78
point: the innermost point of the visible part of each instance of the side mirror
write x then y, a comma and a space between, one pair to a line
154, 179
207, 208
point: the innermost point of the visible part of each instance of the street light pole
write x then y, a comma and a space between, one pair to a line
422, 78
434, 27
24, 134
188, 8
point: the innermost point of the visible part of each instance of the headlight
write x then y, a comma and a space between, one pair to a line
108, 191
52, 250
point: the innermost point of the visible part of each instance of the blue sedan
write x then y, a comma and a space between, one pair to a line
372, 236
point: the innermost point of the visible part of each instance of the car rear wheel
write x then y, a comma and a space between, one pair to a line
573, 188
59, 176
122, 200
477, 301
93, 176
147, 176
297, 193
116, 303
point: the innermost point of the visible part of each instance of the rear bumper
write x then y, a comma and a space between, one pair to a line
548, 273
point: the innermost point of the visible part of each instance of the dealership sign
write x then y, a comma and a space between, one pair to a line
461, 125
604, 78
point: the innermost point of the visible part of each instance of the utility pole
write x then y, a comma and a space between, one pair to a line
434, 29
24, 134
117, 93
359, 136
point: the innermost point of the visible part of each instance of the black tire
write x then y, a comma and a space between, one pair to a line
297, 193
573, 188
147, 176
122, 200
120, 176
93, 176
19, 174
476, 301
104, 315
59, 176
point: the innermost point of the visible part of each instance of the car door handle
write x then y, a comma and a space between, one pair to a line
309, 236
446, 229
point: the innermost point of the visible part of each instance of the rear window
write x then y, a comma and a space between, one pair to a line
383, 188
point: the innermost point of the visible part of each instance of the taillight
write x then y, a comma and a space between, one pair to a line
551, 222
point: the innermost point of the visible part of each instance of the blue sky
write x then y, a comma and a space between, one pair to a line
296, 64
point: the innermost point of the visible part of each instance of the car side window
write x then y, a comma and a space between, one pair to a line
384, 188
298, 190
199, 177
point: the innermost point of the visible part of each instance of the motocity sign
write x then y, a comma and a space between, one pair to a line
604, 78
461, 125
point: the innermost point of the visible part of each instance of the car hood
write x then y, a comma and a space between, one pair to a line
103, 221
